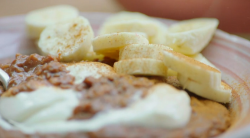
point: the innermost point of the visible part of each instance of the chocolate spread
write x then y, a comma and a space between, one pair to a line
28, 72
208, 119
108, 93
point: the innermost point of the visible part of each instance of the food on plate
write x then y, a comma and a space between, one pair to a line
68, 41
93, 56
126, 15
205, 114
40, 106
28, 73
81, 70
202, 59
140, 92
197, 77
110, 44
152, 51
89, 108
189, 37
152, 90
142, 59
39, 19
141, 66
172, 72
135, 22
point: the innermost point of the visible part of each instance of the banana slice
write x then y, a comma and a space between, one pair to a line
125, 15
221, 94
160, 37
191, 36
172, 72
151, 28
121, 17
201, 58
141, 66
82, 70
110, 44
153, 51
194, 69
136, 22
37, 20
69, 40
92, 56
191, 72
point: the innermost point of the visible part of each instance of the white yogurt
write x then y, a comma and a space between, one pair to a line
46, 110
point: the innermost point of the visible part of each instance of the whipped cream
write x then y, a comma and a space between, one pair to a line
164, 107
46, 104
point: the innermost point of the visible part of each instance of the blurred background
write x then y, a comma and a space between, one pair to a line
14, 7
234, 15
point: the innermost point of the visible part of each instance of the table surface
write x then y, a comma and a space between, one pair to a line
15, 7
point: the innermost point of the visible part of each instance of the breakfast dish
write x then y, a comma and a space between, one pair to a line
99, 95
154, 88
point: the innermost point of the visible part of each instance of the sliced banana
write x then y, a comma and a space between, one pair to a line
37, 20
160, 37
221, 94
125, 15
110, 44
191, 36
172, 72
141, 66
192, 68
69, 40
150, 28
136, 22
92, 56
202, 59
153, 51
196, 70
82, 70
191, 71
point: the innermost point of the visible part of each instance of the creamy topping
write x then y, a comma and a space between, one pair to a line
164, 107
41, 106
